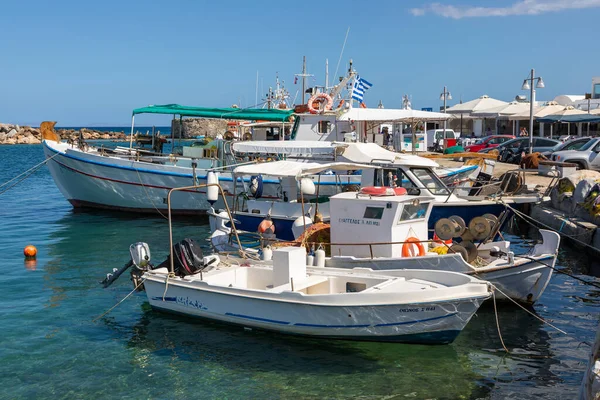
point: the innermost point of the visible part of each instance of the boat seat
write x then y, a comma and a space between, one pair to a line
300, 285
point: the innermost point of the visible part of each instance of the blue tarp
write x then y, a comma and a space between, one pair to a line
591, 118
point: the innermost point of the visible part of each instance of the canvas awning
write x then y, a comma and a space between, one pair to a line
589, 118
298, 147
296, 168
372, 153
391, 115
250, 114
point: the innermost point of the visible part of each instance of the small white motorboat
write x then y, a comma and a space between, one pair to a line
286, 296
380, 229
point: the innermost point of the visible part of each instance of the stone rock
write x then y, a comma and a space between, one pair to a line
10, 141
11, 133
2, 137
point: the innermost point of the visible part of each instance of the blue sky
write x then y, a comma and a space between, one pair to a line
91, 63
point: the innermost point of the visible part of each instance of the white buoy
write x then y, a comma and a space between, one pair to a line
310, 260
307, 186
320, 258
298, 226
267, 254
212, 192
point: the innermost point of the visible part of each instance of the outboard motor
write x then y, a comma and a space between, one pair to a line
140, 258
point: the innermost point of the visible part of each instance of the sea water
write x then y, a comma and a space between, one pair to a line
51, 346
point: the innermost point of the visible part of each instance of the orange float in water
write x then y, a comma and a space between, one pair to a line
30, 251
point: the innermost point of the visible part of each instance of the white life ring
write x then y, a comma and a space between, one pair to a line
321, 98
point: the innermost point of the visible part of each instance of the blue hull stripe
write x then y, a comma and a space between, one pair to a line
415, 322
258, 319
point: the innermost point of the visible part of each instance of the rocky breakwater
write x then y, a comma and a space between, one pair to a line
15, 134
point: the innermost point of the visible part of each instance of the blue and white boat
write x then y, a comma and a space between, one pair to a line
381, 168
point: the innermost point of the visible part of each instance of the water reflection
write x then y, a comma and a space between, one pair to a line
293, 366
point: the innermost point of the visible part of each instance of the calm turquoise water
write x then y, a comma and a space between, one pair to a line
51, 348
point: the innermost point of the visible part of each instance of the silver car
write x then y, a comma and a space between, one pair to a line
585, 158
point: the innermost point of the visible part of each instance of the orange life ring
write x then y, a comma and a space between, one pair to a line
382, 191
341, 103
409, 246
363, 105
321, 97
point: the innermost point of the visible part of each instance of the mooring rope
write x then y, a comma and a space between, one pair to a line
148, 195
529, 312
27, 173
497, 321
122, 300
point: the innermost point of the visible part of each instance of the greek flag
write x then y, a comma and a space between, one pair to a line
360, 86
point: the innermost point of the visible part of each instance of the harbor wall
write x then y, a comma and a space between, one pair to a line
574, 210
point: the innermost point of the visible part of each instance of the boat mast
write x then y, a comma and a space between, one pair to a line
326, 75
304, 75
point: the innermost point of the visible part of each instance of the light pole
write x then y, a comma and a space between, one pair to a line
528, 85
445, 95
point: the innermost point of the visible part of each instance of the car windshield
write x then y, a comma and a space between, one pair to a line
480, 141
588, 145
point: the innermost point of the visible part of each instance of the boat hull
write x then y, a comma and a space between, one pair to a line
90, 180
524, 282
432, 322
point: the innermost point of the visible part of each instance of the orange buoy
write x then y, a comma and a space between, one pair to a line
266, 226
30, 251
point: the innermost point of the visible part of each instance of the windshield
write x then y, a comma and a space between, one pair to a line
588, 145
480, 141
430, 180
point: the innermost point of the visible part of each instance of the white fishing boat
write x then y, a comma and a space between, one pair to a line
415, 306
387, 229
378, 167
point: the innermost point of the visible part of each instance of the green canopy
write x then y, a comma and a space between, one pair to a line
251, 114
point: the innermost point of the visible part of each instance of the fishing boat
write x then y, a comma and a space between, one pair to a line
286, 296
361, 165
385, 228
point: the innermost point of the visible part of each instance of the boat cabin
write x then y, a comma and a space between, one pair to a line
384, 220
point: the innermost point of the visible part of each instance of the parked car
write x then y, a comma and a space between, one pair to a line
585, 158
489, 141
511, 150
573, 144
435, 138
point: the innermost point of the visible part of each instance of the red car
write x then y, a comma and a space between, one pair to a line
488, 141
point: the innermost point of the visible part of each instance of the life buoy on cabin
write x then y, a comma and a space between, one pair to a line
382, 191
408, 248
321, 98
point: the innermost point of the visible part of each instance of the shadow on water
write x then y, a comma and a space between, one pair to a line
296, 366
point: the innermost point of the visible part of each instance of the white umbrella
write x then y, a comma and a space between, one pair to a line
503, 110
482, 103
568, 110
538, 112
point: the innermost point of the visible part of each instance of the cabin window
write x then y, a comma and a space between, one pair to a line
373, 212
395, 177
411, 212
324, 126
430, 181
